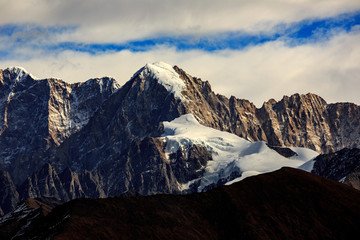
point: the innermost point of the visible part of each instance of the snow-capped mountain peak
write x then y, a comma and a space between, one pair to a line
166, 76
18, 73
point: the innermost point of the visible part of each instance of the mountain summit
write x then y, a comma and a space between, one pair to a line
163, 131
166, 76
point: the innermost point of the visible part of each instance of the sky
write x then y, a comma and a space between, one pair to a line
251, 49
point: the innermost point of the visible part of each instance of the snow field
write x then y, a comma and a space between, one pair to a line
230, 152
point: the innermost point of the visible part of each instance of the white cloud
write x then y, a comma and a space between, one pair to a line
273, 70
259, 73
115, 21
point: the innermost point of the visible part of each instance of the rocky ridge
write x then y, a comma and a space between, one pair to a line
285, 204
46, 182
341, 166
295, 121
36, 115
113, 145
27, 213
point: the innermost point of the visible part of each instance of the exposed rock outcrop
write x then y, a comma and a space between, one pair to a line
64, 186
38, 114
340, 166
27, 213
353, 179
9, 196
44, 182
297, 121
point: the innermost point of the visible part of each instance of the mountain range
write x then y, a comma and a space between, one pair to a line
163, 131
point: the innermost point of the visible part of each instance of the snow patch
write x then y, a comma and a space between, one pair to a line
304, 154
342, 179
230, 152
166, 76
308, 166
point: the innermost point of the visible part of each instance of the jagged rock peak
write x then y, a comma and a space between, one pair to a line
17, 73
101, 82
298, 98
165, 75
306, 99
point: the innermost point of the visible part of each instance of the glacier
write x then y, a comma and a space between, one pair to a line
230, 152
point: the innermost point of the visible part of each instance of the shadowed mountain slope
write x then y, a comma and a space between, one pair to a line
285, 204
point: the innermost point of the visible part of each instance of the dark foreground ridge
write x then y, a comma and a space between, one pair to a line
285, 204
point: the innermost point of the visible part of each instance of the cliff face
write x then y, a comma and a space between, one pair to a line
9, 196
297, 121
38, 114
341, 166
66, 186
307, 121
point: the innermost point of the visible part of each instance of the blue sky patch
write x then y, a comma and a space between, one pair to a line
14, 38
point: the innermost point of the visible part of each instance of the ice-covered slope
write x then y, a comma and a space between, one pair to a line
233, 157
166, 76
